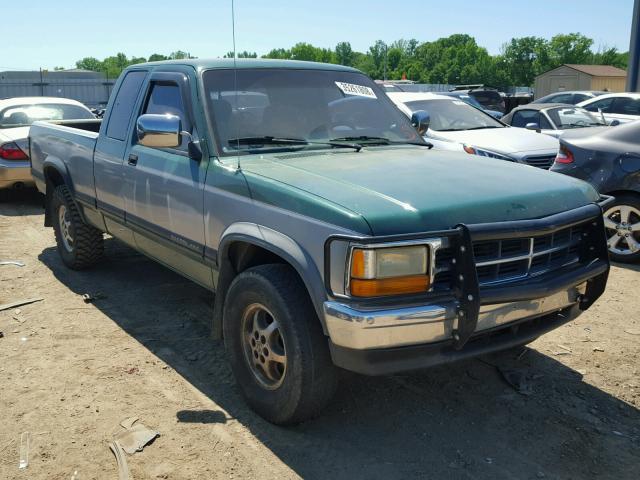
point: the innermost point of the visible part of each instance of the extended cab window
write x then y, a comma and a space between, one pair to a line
123, 105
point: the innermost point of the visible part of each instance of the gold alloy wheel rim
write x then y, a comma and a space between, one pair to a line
65, 228
263, 346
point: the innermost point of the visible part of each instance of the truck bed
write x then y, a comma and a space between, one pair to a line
70, 145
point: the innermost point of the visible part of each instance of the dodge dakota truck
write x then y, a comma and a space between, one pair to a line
330, 232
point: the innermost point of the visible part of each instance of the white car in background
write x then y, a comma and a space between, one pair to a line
455, 125
624, 107
16, 116
553, 119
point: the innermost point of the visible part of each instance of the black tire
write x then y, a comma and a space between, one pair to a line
621, 243
309, 379
87, 245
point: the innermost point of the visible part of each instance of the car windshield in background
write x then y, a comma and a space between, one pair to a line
454, 115
471, 101
25, 115
295, 109
565, 118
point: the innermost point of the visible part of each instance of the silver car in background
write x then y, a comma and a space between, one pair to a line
552, 118
16, 116
455, 125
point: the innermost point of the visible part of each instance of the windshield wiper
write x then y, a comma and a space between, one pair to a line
368, 140
269, 140
364, 138
482, 128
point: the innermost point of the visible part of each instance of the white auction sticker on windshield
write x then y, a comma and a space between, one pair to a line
458, 102
353, 89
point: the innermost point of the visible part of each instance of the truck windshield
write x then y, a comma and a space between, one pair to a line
24, 115
454, 115
318, 108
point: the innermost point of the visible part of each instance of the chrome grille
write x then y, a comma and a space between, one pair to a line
507, 260
541, 161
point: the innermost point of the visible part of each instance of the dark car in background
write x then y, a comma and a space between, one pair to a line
571, 98
610, 161
470, 100
489, 97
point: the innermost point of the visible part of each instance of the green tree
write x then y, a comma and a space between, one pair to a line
279, 53
570, 48
90, 63
610, 56
305, 51
157, 57
522, 59
179, 55
344, 54
243, 54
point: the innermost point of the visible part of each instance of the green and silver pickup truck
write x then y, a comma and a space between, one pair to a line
330, 232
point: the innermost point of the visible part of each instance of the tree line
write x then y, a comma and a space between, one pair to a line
456, 59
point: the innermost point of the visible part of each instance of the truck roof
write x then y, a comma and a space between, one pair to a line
213, 63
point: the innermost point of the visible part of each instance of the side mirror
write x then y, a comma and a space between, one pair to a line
159, 131
532, 126
615, 123
420, 121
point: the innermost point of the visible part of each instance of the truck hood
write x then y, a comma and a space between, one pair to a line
502, 140
411, 189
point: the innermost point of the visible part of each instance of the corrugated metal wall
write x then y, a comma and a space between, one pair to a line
90, 88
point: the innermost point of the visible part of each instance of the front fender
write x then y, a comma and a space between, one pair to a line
278, 244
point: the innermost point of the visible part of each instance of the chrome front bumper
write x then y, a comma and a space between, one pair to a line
360, 329
15, 172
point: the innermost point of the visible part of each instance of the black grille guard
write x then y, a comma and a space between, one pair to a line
592, 267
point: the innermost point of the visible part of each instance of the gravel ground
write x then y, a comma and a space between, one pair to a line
72, 371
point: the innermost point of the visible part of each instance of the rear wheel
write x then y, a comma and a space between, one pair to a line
79, 245
276, 347
622, 223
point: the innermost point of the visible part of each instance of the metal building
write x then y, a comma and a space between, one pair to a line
91, 88
581, 77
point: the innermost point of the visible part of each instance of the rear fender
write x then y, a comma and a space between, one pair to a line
55, 174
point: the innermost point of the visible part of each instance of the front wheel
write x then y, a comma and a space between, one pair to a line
79, 245
622, 223
276, 347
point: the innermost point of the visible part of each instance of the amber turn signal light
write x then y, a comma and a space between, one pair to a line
389, 286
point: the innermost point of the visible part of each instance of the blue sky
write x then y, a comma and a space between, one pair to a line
57, 33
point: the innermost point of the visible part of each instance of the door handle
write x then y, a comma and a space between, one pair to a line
133, 160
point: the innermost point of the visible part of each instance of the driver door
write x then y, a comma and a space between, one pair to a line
164, 186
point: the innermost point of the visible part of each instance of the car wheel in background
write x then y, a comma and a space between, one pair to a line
622, 224
80, 245
275, 344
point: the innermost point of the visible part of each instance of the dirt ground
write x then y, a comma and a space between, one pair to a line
71, 371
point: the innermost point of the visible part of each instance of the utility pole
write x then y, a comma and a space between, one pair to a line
41, 84
633, 72
386, 51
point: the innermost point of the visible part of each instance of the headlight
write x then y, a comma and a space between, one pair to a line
381, 271
486, 153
